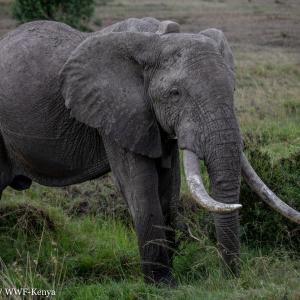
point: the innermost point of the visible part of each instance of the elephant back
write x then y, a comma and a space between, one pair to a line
147, 24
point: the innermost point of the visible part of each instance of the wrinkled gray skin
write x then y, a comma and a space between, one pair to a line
74, 106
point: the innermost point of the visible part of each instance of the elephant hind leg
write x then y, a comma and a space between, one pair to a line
7, 178
5, 168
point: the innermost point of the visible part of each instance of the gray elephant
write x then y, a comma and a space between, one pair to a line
74, 106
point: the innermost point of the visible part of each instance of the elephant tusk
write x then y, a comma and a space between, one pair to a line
197, 189
265, 193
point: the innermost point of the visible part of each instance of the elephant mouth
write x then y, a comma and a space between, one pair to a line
197, 189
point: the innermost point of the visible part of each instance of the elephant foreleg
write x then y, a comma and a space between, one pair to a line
169, 190
137, 178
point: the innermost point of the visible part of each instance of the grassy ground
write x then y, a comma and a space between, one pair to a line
80, 241
92, 257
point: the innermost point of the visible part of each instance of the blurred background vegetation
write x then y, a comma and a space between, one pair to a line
80, 239
72, 12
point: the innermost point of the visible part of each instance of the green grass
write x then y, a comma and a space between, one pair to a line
94, 258
268, 100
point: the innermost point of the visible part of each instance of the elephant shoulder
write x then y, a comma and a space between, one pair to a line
40, 38
38, 47
47, 31
31, 57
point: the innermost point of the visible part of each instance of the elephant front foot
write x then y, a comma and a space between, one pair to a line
159, 276
155, 260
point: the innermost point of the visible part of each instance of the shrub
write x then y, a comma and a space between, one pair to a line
261, 225
76, 13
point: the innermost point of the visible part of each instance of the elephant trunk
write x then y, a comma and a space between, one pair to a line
222, 157
223, 162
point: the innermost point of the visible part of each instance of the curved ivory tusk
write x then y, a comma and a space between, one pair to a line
195, 184
265, 193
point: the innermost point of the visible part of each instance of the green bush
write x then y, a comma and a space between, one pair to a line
76, 13
261, 225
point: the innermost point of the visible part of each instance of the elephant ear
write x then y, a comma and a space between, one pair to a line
224, 48
103, 86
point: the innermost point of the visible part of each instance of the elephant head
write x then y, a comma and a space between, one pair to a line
133, 85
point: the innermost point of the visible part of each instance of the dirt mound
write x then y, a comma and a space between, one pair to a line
25, 217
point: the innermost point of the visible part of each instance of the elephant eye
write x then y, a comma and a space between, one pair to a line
174, 92
171, 94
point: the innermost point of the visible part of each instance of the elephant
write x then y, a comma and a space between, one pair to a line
127, 99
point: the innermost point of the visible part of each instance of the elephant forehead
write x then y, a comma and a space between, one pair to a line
189, 54
187, 44
191, 69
